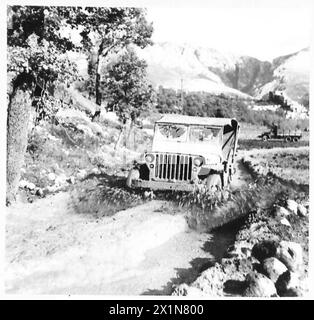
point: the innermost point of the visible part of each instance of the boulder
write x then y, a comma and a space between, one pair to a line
258, 285
292, 206
61, 179
185, 290
51, 176
302, 211
31, 186
280, 212
273, 268
288, 284
290, 254
285, 222
96, 171
81, 174
39, 192
264, 249
71, 180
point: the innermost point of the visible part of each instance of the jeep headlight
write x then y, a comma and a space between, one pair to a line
198, 161
149, 158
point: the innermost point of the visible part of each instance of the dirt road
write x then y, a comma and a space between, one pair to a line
50, 249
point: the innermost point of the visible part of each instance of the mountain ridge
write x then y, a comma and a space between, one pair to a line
195, 68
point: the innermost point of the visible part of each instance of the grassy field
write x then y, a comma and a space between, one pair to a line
249, 144
289, 164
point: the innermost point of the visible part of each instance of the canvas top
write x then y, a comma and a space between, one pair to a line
183, 119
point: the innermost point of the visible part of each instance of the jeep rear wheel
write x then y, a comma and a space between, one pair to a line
133, 175
265, 138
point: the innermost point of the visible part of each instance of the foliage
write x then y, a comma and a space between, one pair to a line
126, 88
210, 105
106, 30
37, 52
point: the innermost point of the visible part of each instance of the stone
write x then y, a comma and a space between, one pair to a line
31, 186
96, 171
39, 192
81, 174
51, 176
302, 211
264, 249
288, 284
290, 254
23, 184
185, 290
281, 212
71, 180
61, 179
258, 285
273, 268
292, 206
285, 222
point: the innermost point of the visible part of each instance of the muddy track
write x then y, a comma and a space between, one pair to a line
142, 250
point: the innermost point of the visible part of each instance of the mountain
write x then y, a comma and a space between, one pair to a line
291, 75
206, 69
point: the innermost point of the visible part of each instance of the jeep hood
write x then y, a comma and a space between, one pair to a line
204, 150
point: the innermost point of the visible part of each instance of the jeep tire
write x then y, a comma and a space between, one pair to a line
134, 174
214, 182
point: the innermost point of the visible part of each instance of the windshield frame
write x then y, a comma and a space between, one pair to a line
188, 133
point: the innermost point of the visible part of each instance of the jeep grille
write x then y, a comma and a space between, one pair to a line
172, 167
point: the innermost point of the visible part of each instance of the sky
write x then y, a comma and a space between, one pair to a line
262, 33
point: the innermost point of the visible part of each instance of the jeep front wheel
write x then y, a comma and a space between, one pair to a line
213, 182
134, 174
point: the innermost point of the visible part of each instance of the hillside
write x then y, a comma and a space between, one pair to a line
290, 75
209, 70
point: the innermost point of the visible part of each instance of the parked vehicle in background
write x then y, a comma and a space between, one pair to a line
188, 153
280, 134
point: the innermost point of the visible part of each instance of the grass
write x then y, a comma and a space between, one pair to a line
249, 144
290, 164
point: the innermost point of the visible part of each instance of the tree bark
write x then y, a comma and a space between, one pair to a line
97, 83
17, 126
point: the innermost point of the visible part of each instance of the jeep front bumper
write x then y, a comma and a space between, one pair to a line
165, 185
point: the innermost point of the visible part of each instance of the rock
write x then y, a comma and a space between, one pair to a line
280, 212
264, 249
288, 284
96, 171
39, 192
292, 206
23, 184
285, 222
81, 174
241, 250
61, 179
302, 211
31, 186
185, 290
258, 285
51, 176
290, 254
273, 268
71, 180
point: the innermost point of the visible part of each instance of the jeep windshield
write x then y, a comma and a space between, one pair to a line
171, 132
204, 134
190, 134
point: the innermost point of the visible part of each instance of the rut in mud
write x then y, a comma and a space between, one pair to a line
141, 250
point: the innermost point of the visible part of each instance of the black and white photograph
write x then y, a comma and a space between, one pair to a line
157, 149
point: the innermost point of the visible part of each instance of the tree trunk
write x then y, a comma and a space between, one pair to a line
97, 83
17, 124
119, 138
128, 145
